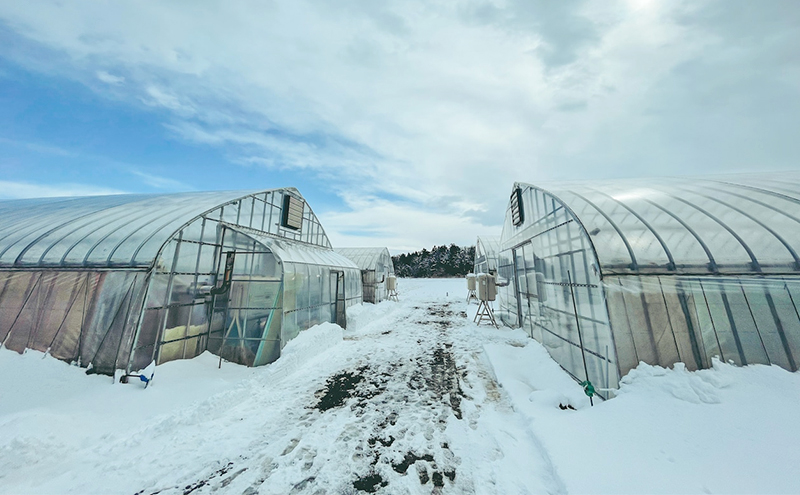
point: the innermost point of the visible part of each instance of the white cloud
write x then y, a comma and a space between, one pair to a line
444, 105
21, 190
109, 78
161, 182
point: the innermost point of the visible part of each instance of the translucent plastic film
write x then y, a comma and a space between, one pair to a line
744, 320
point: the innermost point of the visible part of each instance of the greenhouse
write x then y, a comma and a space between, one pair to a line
116, 282
610, 273
376, 266
486, 249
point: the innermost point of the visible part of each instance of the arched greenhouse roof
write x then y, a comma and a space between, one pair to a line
292, 252
367, 258
103, 231
488, 245
744, 224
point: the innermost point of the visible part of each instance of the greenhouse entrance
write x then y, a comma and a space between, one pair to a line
246, 319
337, 287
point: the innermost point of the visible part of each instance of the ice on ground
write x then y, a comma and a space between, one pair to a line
411, 398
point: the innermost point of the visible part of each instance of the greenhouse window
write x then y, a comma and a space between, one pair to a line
292, 212
517, 212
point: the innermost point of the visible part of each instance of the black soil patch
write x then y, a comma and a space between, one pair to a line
383, 441
444, 378
360, 383
438, 476
200, 484
409, 459
338, 389
369, 483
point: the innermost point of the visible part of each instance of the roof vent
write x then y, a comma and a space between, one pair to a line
517, 212
292, 217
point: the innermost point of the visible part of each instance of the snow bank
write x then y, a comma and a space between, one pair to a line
724, 430
307, 345
532, 378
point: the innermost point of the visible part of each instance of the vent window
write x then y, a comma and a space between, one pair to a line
292, 212
517, 211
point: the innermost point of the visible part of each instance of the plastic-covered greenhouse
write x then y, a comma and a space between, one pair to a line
486, 250
608, 274
376, 265
115, 282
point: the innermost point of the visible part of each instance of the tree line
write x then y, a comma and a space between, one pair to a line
441, 261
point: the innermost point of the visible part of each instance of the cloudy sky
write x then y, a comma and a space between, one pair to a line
403, 123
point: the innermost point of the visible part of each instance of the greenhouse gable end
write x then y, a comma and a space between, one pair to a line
610, 273
115, 282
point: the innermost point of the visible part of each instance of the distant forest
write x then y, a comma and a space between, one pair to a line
441, 261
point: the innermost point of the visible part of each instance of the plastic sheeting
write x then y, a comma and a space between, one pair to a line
83, 317
743, 320
486, 250
376, 266
610, 274
737, 224
119, 281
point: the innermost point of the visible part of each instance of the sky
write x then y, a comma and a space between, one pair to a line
404, 124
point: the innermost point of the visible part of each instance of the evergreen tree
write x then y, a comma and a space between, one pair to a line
441, 261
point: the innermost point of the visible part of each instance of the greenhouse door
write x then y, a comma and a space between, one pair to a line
523, 274
246, 317
338, 299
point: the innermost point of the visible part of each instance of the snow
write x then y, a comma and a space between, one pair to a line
411, 398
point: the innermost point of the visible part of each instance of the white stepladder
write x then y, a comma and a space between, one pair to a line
487, 292
471, 295
391, 286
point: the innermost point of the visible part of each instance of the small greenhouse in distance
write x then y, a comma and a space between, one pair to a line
115, 282
608, 274
486, 250
376, 266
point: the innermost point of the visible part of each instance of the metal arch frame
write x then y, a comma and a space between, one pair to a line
574, 217
100, 241
54, 229
179, 230
754, 261
63, 257
634, 265
671, 266
761, 224
32, 229
487, 254
712, 263
124, 214
765, 205
146, 240
768, 192
590, 242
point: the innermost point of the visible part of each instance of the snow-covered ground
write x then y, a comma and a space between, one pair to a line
411, 398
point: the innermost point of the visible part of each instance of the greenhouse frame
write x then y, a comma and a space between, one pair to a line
486, 251
376, 266
117, 282
610, 273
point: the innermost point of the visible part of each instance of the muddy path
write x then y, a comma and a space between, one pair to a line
396, 414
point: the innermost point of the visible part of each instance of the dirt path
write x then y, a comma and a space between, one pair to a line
408, 407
